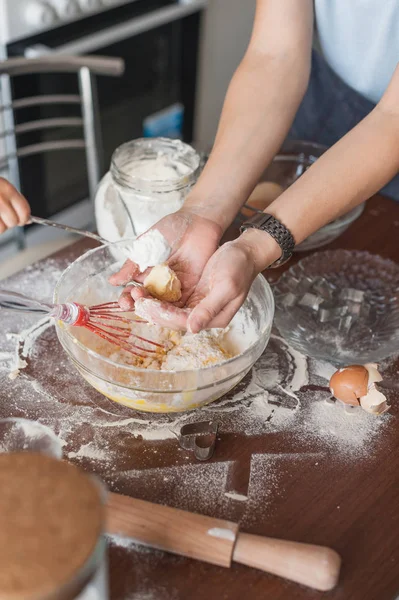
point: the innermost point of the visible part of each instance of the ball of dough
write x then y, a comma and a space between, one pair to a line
163, 284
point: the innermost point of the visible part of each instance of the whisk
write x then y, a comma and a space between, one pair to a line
101, 319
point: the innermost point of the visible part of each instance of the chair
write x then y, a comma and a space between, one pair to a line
86, 68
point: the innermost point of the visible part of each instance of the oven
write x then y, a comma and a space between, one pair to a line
158, 40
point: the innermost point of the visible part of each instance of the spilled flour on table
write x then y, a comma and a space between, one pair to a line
17, 434
235, 496
183, 486
142, 563
90, 451
24, 344
38, 282
263, 488
349, 431
265, 493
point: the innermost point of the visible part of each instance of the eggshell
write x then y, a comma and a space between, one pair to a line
374, 374
349, 384
374, 402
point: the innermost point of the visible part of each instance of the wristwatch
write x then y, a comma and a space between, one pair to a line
278, 231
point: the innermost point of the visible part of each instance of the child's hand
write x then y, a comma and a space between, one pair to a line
14, 209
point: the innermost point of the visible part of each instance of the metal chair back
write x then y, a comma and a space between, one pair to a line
86, 69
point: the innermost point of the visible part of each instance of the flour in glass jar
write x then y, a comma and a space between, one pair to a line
148, 179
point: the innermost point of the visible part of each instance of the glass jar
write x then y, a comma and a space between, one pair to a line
96, 586
149, 178
52, 545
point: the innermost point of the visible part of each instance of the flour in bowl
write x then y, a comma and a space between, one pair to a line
180, 351
197, 350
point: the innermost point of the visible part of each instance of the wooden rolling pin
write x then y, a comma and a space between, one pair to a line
219, 542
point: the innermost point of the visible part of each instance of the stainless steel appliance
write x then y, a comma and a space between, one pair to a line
158, 40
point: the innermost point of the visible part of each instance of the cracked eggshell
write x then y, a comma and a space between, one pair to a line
374, 374
349, 384
355, 385
374, 402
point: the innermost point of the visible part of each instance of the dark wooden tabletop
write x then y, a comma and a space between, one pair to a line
287, 463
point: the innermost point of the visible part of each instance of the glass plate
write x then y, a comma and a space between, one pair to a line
341, 306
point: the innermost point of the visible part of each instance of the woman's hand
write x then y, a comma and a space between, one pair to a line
193, 239
14, 209
223, 286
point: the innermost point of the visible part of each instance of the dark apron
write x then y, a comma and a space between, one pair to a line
329, 110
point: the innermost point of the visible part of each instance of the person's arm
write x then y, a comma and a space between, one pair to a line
356, 167
260, 105
360, 164
14, 209
351, 171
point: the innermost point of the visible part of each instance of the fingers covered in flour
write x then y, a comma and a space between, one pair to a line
162, 313
215, 310
130, 294
129, 272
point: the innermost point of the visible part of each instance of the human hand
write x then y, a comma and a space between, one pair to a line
193, 239
14, 209
222, 288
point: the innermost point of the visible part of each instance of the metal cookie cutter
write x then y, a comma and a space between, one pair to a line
200, 437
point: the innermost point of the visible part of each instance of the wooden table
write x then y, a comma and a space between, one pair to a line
278, 469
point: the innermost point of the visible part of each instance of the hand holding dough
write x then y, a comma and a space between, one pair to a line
163, 284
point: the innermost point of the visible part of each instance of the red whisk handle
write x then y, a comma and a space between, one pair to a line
71, 313
83, 316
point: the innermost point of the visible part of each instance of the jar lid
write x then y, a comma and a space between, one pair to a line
51, 518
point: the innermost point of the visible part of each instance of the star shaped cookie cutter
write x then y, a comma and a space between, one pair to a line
199, 437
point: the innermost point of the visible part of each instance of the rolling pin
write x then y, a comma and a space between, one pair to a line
219, 542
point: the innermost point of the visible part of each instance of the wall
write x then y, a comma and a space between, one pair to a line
225, 36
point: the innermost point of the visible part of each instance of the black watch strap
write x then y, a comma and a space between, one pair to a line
277, 230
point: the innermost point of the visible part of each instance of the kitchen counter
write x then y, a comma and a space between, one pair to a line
287, 463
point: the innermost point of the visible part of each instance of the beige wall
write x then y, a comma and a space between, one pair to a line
226, 33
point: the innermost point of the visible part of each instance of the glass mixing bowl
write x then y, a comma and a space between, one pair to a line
294, 158
147, 389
